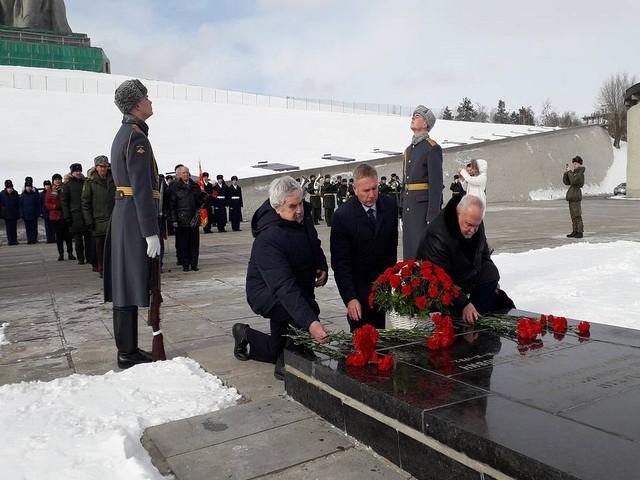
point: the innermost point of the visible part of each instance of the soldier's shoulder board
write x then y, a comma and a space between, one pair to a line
432, 142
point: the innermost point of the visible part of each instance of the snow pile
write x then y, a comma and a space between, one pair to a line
597, 282
3, 339
82, 427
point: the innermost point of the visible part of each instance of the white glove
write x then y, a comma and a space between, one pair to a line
153, 246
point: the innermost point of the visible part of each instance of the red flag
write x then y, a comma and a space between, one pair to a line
203, 212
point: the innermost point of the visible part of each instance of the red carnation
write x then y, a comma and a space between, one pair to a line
385, 363
355, 359
415, 283
433, 342
410, 263
394, 281
406, 290
543, 320
372, 298
421, 302
584, 328
433, 291
446, 298
405, 273
559, 324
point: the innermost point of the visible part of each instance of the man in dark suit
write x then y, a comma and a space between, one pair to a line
364, 242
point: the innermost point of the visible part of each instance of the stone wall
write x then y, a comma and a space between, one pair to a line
517, 166
633, 151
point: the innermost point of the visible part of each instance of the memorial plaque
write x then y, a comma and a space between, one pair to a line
560, 407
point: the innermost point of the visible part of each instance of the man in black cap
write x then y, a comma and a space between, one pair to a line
574, 177
328, 192
10, 211
235, 204
422, 191
30, 210
220, 194
134, 235
98, 199
72, 209
457, 190
315, 199
208, 188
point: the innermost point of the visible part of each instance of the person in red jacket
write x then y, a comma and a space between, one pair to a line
53, 203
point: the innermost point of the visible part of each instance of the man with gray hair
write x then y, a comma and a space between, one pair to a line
422, 181
286, 265
134, 232
455, 240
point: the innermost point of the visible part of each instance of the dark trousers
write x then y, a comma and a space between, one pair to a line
266, 348
221, 218
371, 317
188, 241
11, 225
31, 226
575, 211
328, 215
62, 236
49, 230
98, 242
483, 296
84, 247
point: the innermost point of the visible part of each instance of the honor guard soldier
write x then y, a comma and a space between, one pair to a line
328, 192
384, 188
343, 192
208, 188
220, 194
422, 178
315, 200
235, 204
134, 232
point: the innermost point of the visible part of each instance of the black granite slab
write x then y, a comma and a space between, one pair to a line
563, 407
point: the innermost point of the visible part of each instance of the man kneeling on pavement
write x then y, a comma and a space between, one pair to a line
286, 265
455, 240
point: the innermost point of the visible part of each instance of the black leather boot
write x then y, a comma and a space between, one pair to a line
125, 331
239, 331
571, 235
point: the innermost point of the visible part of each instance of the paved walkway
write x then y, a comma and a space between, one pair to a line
59, 326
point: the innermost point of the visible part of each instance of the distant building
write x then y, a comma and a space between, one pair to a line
43, 38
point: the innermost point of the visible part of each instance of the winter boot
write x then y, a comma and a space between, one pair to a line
239, 331
278, 372
578, 235
125, 331
572, 234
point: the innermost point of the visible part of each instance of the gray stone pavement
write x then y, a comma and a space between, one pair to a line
58, 325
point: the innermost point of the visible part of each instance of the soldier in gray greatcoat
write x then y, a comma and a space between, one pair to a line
422, 181
134, 232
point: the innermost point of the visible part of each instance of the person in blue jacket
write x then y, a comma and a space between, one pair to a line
30, 210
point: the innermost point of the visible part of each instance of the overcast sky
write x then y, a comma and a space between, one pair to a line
403, 51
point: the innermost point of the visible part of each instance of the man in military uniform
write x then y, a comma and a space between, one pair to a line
315, 200
422, 178
220, 194
134, 235
328, 192
384, 188
235, 204
208, 188
343, 191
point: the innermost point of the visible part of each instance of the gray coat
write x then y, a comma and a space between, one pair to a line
422, 164
127, 267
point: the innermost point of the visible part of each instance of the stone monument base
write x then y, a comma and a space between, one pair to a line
487, 407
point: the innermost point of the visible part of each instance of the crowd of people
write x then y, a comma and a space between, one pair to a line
118, 215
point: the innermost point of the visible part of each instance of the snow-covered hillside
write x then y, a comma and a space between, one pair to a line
48, 123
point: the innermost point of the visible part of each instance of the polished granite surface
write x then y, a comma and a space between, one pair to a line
531, 411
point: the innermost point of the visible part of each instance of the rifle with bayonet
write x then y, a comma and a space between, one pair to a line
153, 317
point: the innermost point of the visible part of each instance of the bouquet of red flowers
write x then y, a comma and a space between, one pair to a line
414, 288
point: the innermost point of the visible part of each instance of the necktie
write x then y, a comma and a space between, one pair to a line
372, 216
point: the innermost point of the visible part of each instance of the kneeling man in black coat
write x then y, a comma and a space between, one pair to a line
364, 242
455, 240
286, 265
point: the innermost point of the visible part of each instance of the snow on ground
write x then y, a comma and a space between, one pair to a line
616, 174
89, 427
52, 129
597, 282
3, 339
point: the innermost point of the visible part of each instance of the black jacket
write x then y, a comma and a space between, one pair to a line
444, 245
185, 200
282, 269
360, 252
9, 205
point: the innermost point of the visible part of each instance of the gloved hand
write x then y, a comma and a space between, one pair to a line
153, 246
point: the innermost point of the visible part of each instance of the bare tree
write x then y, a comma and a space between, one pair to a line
611, 103
482, 115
